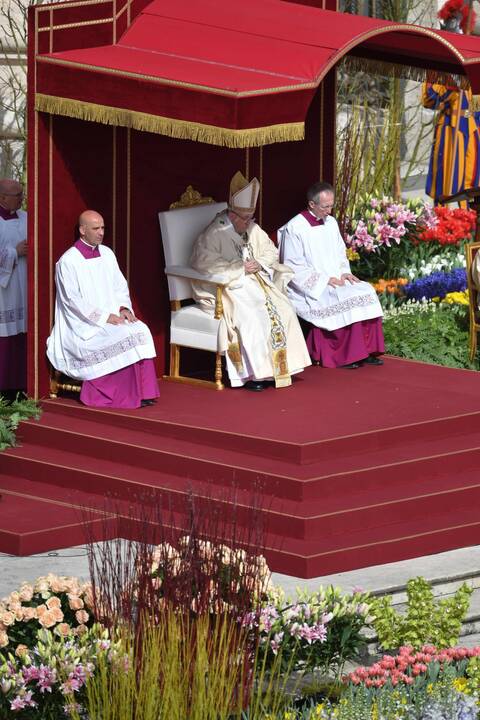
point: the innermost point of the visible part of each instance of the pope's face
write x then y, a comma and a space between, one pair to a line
241, 222
323, 206
93, 230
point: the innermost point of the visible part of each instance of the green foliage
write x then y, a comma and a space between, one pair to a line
425, 620
11, 415
473, 676
434, 334
317, 631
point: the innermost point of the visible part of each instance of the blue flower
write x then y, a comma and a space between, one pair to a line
438, 284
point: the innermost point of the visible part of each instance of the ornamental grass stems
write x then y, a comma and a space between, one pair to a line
205, 556
181, 668
177, 595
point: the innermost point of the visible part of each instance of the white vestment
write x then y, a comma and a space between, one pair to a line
13, 276
317, 253
82, 344
260, 330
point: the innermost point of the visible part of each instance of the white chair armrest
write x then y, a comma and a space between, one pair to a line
188, 272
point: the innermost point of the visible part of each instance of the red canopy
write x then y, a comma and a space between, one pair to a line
224, 73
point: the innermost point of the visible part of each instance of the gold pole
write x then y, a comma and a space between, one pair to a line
468, 29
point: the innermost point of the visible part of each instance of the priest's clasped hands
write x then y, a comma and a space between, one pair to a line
339, 282
125, 315
251, 266
21, 248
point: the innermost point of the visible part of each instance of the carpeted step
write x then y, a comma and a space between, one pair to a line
361, 476
325, 415
51, 524
418, 482
30, 523
296, 521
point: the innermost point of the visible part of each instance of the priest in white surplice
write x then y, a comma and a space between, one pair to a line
344, 311
260, 334
96, 337
13, 289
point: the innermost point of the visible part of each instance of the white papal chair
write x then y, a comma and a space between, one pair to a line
190, 326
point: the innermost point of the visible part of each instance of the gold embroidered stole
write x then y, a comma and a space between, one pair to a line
278, 337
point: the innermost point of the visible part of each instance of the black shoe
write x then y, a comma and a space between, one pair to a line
254, 385
350, 366
146, 403
372, 360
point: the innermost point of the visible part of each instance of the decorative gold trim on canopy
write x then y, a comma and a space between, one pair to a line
408, 72
180, 129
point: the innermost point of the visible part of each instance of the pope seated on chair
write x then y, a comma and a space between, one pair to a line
96, 337
260, 331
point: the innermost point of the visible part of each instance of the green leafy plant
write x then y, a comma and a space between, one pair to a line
317, 631
425, 620
11, 415
429, 333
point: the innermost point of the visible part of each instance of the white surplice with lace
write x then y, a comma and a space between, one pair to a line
82, 344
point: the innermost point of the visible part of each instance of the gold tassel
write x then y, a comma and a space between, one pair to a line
180, 129
235, 356
375, 67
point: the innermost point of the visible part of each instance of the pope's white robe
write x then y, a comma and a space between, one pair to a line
82, 344
317, 253
247, 325
13, 276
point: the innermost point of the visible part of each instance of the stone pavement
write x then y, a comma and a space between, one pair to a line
440, 568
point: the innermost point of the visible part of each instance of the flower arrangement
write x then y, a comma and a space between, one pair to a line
48, 681
390, 287
221, 577
457, 10
379, 232
457, 298
445, 260
60, 604
409, 664
437, 285
453, 226
383, 223
425, 620
320, 630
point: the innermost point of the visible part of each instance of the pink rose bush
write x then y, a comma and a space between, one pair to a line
209, 575
60, 604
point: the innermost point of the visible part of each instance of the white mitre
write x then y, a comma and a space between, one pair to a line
243, 194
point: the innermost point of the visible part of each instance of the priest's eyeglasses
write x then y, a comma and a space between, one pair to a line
327, 206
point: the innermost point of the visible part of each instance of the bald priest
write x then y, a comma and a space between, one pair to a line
96, 337
260, 333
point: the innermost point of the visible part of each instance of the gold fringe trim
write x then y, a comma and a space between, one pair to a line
352, 63
180, 129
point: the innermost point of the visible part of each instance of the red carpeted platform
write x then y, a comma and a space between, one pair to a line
346, 468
